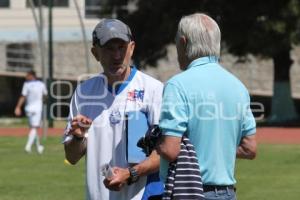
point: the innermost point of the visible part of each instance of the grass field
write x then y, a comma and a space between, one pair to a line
38, 177
274, 175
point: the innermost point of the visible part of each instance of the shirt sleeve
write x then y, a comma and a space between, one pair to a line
248, 122
24, 90
174, 111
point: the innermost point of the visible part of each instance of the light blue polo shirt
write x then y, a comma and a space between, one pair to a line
212, 107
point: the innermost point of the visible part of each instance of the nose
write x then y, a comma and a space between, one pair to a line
117, 54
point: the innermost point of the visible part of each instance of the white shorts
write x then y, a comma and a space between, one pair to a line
34, 118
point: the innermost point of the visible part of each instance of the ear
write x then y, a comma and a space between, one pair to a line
131, 47
95, 53
182, 41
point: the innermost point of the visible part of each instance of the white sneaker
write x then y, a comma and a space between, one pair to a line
28, 149
40, 149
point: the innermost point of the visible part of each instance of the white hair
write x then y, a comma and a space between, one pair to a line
202, 34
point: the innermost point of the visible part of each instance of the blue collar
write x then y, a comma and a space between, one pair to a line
203, 61
121, 87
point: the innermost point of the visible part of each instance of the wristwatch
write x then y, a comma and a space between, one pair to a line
78, 138
134, 177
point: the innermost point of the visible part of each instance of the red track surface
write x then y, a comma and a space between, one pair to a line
24, 131
278, 135
264, 135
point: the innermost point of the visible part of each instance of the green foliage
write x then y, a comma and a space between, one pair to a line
263, 28
154, 26
38, 177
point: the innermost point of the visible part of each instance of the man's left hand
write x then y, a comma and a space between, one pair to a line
18, 111
118, 180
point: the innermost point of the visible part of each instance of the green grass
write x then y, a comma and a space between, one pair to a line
274, 175
38, 177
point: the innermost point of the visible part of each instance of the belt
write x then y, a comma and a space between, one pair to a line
208, 188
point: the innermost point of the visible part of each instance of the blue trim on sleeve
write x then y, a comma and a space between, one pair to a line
169, 132
250, 132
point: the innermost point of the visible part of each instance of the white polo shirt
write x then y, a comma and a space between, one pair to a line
34, 91
106, 136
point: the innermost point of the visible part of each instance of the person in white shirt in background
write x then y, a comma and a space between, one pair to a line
33, 92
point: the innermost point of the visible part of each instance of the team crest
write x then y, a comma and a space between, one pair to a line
115, 117
136, 95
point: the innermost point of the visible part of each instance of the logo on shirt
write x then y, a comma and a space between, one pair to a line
115, 117
136, 95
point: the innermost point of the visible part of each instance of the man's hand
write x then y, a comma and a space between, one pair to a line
75, 148
247, 148
79, 125
18, 111
118, 180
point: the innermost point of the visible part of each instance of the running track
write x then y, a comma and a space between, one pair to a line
264, 135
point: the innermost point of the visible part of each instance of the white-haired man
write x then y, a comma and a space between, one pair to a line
210, 106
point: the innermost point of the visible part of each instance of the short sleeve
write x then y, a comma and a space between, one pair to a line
248, 122
25, 90
174, 111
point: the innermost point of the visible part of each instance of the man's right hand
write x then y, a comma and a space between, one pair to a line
79, 125
75, 148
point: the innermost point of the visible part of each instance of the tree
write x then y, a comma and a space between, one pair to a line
267, 29
154, 26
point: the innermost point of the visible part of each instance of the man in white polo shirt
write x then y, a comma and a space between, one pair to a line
33, 92
97, 125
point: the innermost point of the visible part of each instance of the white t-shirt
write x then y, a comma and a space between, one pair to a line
106, 136
34, 91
